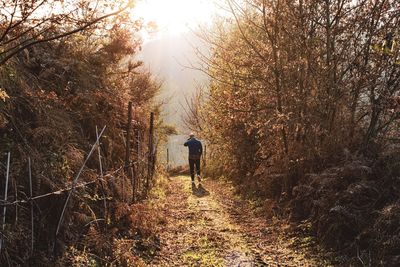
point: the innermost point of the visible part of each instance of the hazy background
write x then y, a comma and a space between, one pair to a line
168, 56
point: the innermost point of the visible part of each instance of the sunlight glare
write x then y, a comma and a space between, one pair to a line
175, 16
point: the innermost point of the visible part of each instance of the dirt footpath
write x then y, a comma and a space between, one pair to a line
209, 226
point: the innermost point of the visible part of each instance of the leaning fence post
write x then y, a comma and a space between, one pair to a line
60, 220
138, 161
150, 151
99, 153
31, 202
3, 225
101, 175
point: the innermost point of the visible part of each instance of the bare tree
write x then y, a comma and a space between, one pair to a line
304, 80
27, 23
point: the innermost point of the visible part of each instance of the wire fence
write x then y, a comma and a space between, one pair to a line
139, 171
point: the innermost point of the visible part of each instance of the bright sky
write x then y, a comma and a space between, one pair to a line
174, 17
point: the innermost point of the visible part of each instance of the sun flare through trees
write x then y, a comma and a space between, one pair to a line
298, 118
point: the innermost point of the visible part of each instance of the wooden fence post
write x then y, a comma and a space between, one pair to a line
138, 169
134, 180
122, 181
153, 163
128, 143
150, 152
129, 169
167, 159
128, 138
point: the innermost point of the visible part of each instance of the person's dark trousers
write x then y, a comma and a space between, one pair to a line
192, 163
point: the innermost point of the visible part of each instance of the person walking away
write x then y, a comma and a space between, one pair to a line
195, 152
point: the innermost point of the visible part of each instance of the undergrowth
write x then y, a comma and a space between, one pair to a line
132, 239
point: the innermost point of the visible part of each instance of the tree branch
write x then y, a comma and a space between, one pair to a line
62, 35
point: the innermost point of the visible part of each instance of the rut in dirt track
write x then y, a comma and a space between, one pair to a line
207, 227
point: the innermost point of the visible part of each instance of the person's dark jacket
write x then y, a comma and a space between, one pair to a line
195, 148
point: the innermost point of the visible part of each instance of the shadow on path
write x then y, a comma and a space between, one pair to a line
213, 227
199, 191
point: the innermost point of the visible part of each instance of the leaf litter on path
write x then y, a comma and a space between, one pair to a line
207, 226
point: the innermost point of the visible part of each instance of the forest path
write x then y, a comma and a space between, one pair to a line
210, 226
